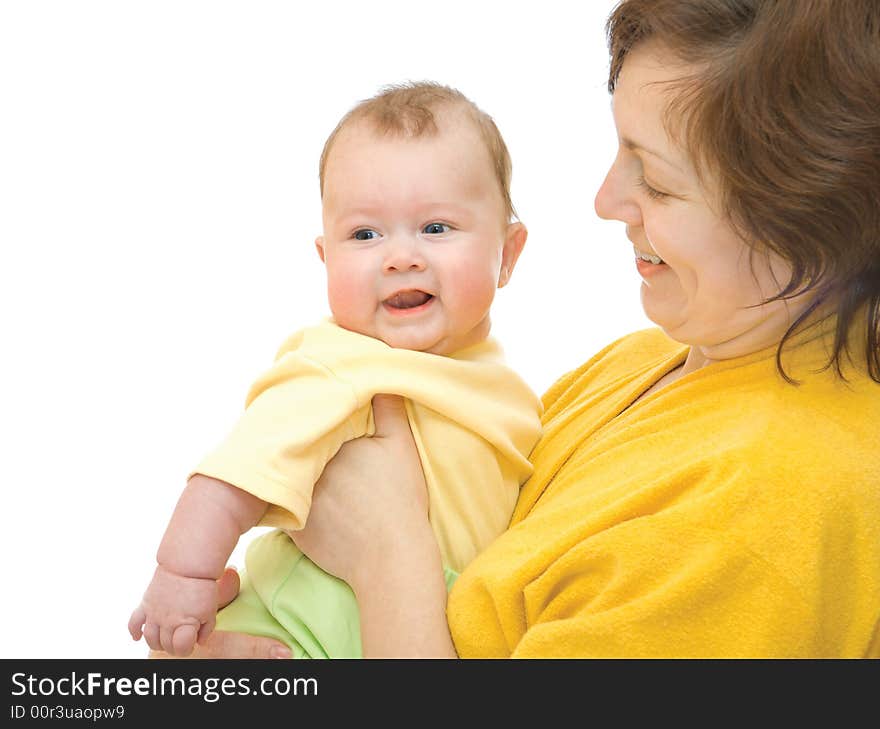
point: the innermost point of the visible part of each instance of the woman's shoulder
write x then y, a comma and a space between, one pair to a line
642, 345
840, 415
631, 353
813, 442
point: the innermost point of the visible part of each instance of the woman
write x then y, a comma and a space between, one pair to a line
710, 487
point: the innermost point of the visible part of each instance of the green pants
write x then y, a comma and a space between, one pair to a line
286, 596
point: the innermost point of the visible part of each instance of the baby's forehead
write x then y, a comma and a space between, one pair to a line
452, 145
443, 121
454, 140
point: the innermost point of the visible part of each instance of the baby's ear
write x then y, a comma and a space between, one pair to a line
514, 240
319, 244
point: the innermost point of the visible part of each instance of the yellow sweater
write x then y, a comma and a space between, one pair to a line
474, 421
727, 514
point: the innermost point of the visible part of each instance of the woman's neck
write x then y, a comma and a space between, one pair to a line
764, 335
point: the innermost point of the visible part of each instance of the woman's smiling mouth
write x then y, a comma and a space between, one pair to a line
649, 257
648, 264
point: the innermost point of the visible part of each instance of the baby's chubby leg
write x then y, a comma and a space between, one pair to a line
248, 614
292, 599
317, 611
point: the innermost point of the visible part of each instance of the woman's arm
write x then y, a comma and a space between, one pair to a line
369, 526
403, 607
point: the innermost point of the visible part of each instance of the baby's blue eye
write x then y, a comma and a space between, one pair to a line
365, 234
435, 228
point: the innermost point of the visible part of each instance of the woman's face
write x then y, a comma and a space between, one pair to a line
698, 283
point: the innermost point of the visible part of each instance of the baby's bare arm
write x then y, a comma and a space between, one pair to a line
179, 605
209, 518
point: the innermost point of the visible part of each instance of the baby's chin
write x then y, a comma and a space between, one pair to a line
432, 341
418, 343
412, 339
421, 341
426, 337
443, 346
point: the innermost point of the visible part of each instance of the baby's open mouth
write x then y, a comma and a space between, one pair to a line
408, 299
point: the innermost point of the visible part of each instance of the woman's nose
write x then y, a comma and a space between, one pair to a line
615, 201
403, 254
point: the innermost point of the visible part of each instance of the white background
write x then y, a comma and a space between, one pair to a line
158, 206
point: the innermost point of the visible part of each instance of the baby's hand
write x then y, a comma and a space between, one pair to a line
176, 611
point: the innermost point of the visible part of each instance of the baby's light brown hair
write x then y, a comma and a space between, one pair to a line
408, 110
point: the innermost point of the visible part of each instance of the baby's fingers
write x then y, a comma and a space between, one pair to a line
206, 630
136, 623
183, 640
166, 633
151, 635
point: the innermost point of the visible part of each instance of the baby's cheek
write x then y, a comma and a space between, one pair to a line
474, 292
351, 298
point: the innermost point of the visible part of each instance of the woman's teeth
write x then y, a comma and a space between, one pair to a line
647, 257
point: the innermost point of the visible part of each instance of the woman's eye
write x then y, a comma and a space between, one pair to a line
435, 228
651, 192
365, 234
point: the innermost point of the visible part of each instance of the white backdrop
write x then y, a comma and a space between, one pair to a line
158, 204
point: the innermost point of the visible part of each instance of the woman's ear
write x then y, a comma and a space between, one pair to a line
319, 244
514, 240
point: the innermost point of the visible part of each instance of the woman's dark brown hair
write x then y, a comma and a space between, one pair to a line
784, 108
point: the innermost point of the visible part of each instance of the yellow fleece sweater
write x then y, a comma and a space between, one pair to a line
729, 514
473, 418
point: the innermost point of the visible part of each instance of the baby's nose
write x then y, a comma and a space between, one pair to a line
403, 254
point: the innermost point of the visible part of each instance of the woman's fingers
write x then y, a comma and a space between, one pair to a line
389, 415
221, 644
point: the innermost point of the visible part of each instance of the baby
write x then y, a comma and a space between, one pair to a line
418, 235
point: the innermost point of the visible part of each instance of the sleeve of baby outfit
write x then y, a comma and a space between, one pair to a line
297, 416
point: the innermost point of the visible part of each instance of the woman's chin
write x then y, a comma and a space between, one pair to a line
665, 314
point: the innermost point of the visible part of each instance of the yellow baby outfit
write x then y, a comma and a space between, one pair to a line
474, 422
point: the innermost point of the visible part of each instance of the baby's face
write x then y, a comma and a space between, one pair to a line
415, 236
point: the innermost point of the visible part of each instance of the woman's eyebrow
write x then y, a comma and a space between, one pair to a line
631, 145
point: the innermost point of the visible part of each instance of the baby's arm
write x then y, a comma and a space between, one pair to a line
180, 603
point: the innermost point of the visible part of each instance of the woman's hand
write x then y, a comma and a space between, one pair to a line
370, 500
369, 526
222, 644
